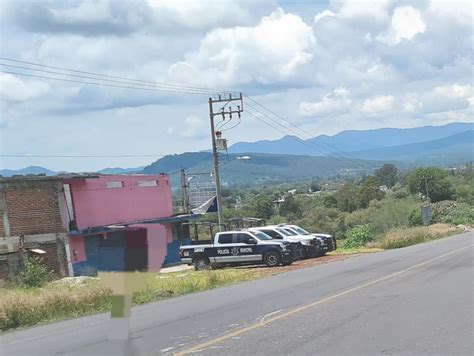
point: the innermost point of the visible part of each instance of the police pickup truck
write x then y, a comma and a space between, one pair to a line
302, 246
237, 248
328, 242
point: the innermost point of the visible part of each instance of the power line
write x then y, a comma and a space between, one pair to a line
169, 85
346, 154
79, 156
129, 80
157, 86
103, 84
308, 144
295, 136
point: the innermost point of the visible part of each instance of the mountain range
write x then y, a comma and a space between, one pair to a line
355, 143
290, 158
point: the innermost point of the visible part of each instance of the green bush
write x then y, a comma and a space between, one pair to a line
415, 218
454, 213
35, 274
358, 236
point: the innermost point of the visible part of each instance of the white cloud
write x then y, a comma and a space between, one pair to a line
194, 127
322, 15
378, 104
406, 24
14, 89
337, 101
412, 103
273, 51
471, 103
373, 10
272, 55
454, 91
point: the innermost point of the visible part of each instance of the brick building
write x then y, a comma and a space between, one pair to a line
32, 222
81, 223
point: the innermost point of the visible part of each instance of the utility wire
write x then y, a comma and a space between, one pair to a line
325, 151
157, 86
169, 85
346, 154
104, 84
79, 156
263, 118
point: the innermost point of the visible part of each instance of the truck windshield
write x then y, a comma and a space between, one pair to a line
291, 232
300, 230
283, 231
261, 235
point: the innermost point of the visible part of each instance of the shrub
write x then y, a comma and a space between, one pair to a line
451, 212
398, 238
35, 274
415, 218
358, 236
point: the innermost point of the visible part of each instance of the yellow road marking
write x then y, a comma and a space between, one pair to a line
246, 329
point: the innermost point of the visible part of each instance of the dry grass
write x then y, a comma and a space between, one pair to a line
21, 307
398, 238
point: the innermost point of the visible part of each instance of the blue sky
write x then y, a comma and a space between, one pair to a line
326, 66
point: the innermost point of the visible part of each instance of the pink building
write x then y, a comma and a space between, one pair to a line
121, 222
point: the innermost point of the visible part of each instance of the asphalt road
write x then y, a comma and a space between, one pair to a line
415, 300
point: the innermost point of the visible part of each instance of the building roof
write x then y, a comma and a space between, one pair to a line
116, 227
43, 177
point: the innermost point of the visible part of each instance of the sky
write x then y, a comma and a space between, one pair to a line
324, 66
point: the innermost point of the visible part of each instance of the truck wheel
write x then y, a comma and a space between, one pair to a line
201, 263
272, 259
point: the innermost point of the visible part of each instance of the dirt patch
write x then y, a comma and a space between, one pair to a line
442, 229
310, 262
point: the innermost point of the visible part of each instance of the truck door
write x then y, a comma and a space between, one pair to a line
233, 247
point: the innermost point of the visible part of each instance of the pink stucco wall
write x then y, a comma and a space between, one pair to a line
77, 249
157, 239
97, 205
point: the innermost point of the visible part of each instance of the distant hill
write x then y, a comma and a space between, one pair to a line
261, 167
352, 141
42, 170
26, 170
118, 170
455, 149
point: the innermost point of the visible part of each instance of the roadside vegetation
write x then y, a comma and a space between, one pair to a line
371, 211
362, 215
22, 306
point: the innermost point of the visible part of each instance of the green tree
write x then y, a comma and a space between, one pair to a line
346, 197
387, 174
290, 207
262, 207
431, 180
330, 201
314, 186
370, 190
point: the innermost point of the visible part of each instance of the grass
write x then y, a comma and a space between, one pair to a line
353, 250
398, 238
20, 307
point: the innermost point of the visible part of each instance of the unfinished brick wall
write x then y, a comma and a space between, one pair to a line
32, 206
50, 258
2, 228
4, 268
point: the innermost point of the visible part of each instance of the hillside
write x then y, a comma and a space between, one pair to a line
261, 167
26, 170
352, 141
456, 149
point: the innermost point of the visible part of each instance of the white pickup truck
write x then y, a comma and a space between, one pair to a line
237, 248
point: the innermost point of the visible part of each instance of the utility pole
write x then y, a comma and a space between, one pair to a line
219, 144
184, 191
426, 188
